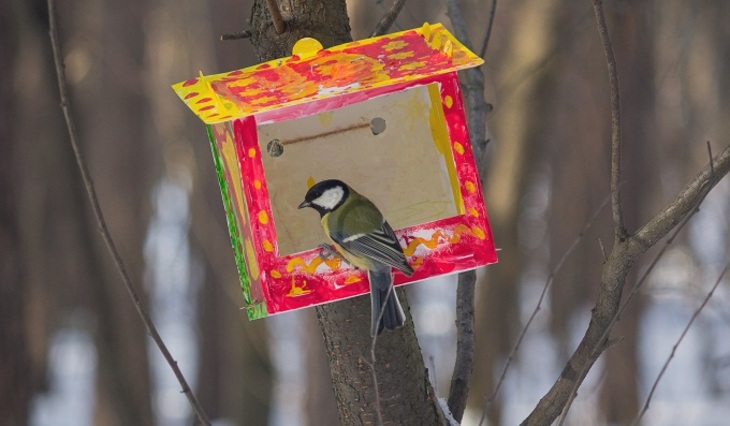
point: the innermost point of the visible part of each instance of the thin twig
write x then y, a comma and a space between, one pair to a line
101, 222
616, 136
236, 36
548, 282
387, 20
488, 33
276, 18
371, 363
679, 341
709, 153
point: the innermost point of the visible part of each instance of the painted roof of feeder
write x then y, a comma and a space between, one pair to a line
314, 73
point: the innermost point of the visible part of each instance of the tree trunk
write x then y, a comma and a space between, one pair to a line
405, 395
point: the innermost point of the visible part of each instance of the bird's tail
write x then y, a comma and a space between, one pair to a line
381, 282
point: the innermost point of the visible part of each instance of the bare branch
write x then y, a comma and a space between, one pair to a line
687, 199
236, 36
389, 18
679, 341
101, 222
276, 18
616, 137
459, 390
613, 278
601, 346
488, 32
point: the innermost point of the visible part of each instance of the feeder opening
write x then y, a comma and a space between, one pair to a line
393, 148
377, 125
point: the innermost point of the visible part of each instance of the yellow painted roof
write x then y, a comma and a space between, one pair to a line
313, 73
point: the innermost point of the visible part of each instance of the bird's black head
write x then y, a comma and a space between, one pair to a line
326, 196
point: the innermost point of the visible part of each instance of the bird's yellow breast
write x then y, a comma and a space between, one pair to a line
356, 261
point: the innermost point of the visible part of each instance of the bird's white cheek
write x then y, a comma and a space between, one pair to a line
330, 198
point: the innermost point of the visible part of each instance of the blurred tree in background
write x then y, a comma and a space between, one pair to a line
547, 174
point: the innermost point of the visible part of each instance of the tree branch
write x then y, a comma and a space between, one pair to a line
616, 135
276, 18
101, 222
668, 218
459, 390
236, 36
488, 32
389, 18
613, 279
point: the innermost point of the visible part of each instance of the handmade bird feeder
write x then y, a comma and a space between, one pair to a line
383, 114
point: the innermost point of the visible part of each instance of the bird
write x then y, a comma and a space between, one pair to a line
359, 232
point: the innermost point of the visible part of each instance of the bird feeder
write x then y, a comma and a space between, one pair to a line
383, 114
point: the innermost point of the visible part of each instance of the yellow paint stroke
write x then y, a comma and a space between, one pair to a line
253, 266
268, 246
459, 148
298, 291
401, 55
440, 134
432, 242
469, 185
263, 217
333, 263
473, 212
394, 45
448, 101
412, 66
352, 278
275, 274
478, 232
252, 152
325, 118
229, 157
417, 262
310, 182
257, 184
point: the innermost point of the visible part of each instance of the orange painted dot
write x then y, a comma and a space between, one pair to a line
469, 185
459, 148
275, 274
263, 217
251, 152
268, 246
448, 101
257, 184
473, 212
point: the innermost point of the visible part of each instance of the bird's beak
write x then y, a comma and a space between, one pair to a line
304, 204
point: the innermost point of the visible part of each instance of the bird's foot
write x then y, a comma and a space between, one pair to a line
327, 251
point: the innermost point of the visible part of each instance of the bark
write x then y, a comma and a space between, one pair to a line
405, 394
633, 30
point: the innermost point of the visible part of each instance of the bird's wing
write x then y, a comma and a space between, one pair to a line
380, 245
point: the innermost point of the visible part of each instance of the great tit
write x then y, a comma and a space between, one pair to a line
359, 232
